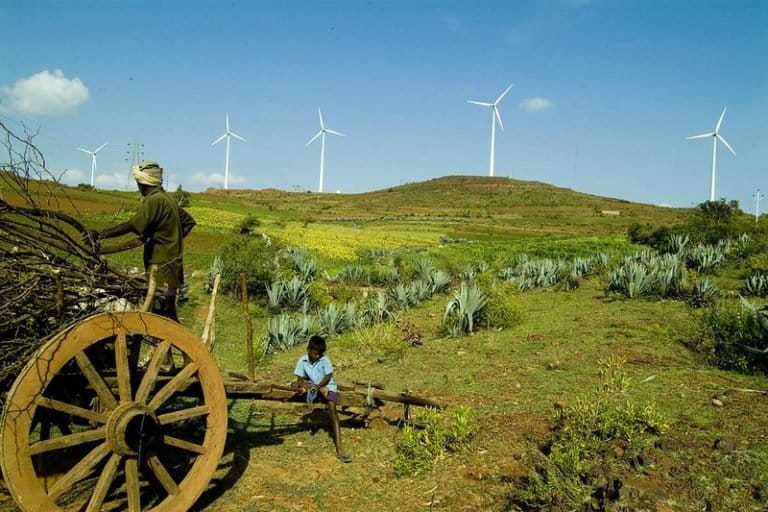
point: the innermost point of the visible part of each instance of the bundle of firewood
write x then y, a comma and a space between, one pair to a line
51, 270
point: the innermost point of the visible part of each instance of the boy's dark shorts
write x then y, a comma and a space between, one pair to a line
332, 396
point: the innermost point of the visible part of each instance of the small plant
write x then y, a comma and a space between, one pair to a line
303, 264
436, 435
676, 244
247, 225
424, 268
215, 268
706, 257
465, 310
420, 291
704, 293
439, 281
631, 280
377, 308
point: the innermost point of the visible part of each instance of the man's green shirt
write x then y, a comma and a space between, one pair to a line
162, 224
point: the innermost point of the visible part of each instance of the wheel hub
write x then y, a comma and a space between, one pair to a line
132, 429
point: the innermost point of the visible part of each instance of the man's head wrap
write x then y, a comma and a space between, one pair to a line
148, 173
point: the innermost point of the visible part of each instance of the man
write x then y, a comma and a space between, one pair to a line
162, 225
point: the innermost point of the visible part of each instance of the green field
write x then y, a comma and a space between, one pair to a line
711, 456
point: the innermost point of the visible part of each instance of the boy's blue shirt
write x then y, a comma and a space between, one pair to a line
315, 372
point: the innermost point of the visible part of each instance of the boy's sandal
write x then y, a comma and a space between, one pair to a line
345, 458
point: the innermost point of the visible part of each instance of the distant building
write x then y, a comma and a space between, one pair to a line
610, 213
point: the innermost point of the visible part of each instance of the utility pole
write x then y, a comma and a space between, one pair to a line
134, 155
758, 196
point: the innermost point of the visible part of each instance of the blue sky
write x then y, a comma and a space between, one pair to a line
627, 82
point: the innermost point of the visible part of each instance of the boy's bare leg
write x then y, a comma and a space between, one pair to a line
336, 429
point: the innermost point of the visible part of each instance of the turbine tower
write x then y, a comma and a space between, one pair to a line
228, 134
321, 134
758, 196
715, 136
495, 116
93, 159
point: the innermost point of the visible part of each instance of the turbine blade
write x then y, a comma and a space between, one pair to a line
335, 133
503, 94
99, 148
227, 118
313, 138
237, 136
320, 115
481, 103
84, 150
726, 143
498, 117
720, 121
703, 135
219, 140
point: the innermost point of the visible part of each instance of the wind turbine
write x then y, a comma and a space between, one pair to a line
228, 134
715, 136
495, 116
321, 134
93, 159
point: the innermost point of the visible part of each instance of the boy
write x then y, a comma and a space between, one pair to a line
314, 371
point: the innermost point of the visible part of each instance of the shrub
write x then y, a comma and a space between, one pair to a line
332, 319
377, 308
303, 264
588, 435
247, 225
182, 197
440, 281
252, 256
465, 311
402, 297
420, 447
503, 311
733, 337
215, 268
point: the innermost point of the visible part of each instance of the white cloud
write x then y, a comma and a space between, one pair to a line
114, 180
215, 179
536, 104
73, 177
44, 93
451, 22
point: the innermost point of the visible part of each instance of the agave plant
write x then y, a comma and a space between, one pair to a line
756, 285
439, 281
703, 293
676, 244
401, 296
468, 273
465, 309
295, 293
705, 257
423, 268
420, 290
355, 274
758, 328
332, 319
631, 280
377, 308
669, 281
216, 268
507, 274
283, 333
276, 294
383, 276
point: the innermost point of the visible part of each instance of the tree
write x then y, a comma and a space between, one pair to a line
182, 197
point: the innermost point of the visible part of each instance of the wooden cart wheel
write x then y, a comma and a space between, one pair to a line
86, 428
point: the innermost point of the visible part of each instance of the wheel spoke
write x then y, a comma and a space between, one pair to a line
69, 441
172, 386
123, 368
102, 486
56, 405
162, 475
132, 484
184, 445
192, 412
148, 381
97, 383
79, 471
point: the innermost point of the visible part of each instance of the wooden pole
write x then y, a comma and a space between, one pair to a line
151, 289
206, 338
248, 326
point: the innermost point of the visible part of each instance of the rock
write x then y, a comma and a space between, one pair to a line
716, 402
